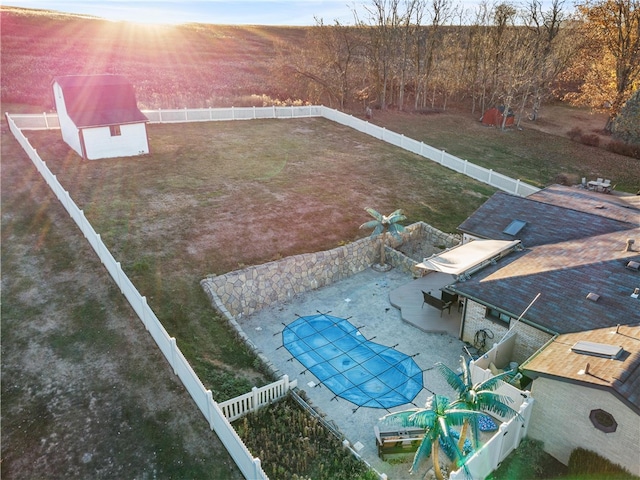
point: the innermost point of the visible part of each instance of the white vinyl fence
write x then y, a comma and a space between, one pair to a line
248, 465
258, 397
48, 120
509, 435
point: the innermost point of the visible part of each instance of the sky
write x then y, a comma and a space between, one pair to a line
230, 12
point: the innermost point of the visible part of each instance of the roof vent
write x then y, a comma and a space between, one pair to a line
593, 297
633, 265
629, 246
597, 350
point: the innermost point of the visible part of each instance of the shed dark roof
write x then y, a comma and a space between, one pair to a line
568, 254
100, 100
620, 375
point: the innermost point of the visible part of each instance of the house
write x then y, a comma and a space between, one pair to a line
99, 116
587, 391
574, 259
575, 279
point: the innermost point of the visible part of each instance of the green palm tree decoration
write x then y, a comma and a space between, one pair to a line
436, 418
383, 225
479, 397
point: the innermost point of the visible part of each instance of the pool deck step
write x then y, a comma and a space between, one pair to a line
408, 299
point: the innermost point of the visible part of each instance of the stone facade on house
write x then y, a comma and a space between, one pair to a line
560, 419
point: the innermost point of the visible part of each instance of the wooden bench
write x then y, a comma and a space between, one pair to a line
398, 440
436, 302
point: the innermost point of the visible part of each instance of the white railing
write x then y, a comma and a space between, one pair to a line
247, 464
46, 121
257, 398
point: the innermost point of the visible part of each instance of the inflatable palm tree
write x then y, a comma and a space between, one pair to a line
437, 418
479, 397
383, 225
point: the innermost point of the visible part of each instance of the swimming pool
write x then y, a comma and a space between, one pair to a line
361, 371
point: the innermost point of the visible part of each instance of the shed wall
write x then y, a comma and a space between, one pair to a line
69, 130
100, 144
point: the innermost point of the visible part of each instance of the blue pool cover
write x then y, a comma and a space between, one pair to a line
363, 372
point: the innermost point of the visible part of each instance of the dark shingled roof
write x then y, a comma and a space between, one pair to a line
100, 100
568, 254
546, 223
621, 375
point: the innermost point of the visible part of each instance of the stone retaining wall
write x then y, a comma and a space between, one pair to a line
245, 291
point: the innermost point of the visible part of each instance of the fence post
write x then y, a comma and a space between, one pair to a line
517, 192
144, 308
119, 277
489, 179
99, 247
442, 152
174, 347
285, 379
160, 115
210, 409
464, 170
255, 399
257, 468
46, 120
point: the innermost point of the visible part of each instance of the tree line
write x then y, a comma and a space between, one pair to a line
427, 54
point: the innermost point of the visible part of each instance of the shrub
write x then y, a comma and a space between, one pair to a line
575, 134
588, 464
622, 148
590, 139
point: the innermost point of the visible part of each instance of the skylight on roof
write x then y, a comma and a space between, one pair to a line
514, 227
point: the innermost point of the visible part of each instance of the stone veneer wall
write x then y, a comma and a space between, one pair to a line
423, 237
245, 291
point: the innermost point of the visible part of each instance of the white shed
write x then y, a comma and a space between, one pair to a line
99, 116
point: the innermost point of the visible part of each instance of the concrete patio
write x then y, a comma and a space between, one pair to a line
364, 299
408, 299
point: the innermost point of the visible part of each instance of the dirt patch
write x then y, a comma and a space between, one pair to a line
560, 119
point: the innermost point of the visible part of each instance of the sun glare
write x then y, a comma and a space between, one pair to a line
144, 15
